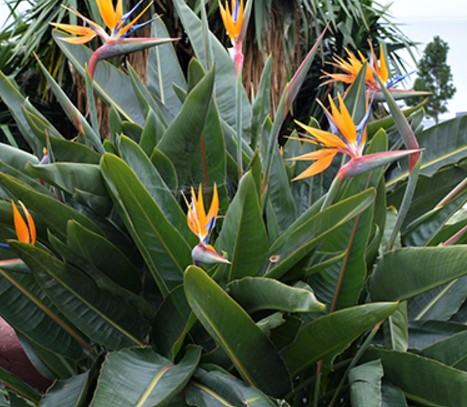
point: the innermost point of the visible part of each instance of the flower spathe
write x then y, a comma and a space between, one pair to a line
347, 138
120, 25
202, 224
25, 229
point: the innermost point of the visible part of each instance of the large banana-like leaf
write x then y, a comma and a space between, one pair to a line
171, 323
444, 144
96, 312
365, 384
423, 380
17, 386
279, 196
26, 307
450, 351
248, 348
259, 293
104, 255
71, 177
15, 157
243, 235
71, 110
225, 82
16, 103
308, 231
164, 249
426, 197
21, 176
330, 334
182, 137
154, 379
70, 151
147, 173
69, 392
164, 70
217, 388
110, 83
439, 303
407, 272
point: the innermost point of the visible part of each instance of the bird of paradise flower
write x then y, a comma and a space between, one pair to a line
351, 67
202, 224
120, 24
347, 138
233, 19
25, 228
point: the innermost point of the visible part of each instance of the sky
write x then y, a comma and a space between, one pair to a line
421, 20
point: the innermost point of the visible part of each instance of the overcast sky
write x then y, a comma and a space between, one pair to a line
421, 20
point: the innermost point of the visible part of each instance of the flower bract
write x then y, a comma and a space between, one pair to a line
25, 229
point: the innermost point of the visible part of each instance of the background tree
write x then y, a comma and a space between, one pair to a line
434, 75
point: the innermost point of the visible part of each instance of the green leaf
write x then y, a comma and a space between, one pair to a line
396, 331
15, 157
15, 102
152, 132
171, 324
426, 197
147, 173
71, 176
15, 384
261, 103
109, 82
445, 143
69, 392
70, 151
216, 388
164, 70
423, 334
243, 235
105, 318
247, 346
181, 138
439, 303
405, 273
392, 396
162, 246
225, 81
26, 307
423, 380
365, 384
258, 293
104, 255
450, 351
308, 231
74, 115
330, 334
154, 379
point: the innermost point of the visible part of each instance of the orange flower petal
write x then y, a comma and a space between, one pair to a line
74, 29
107, 12
317, 167
22, 230
31, 224
79, 40
323, 137
214, 208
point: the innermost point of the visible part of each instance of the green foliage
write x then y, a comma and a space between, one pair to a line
317, 306
434, 75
